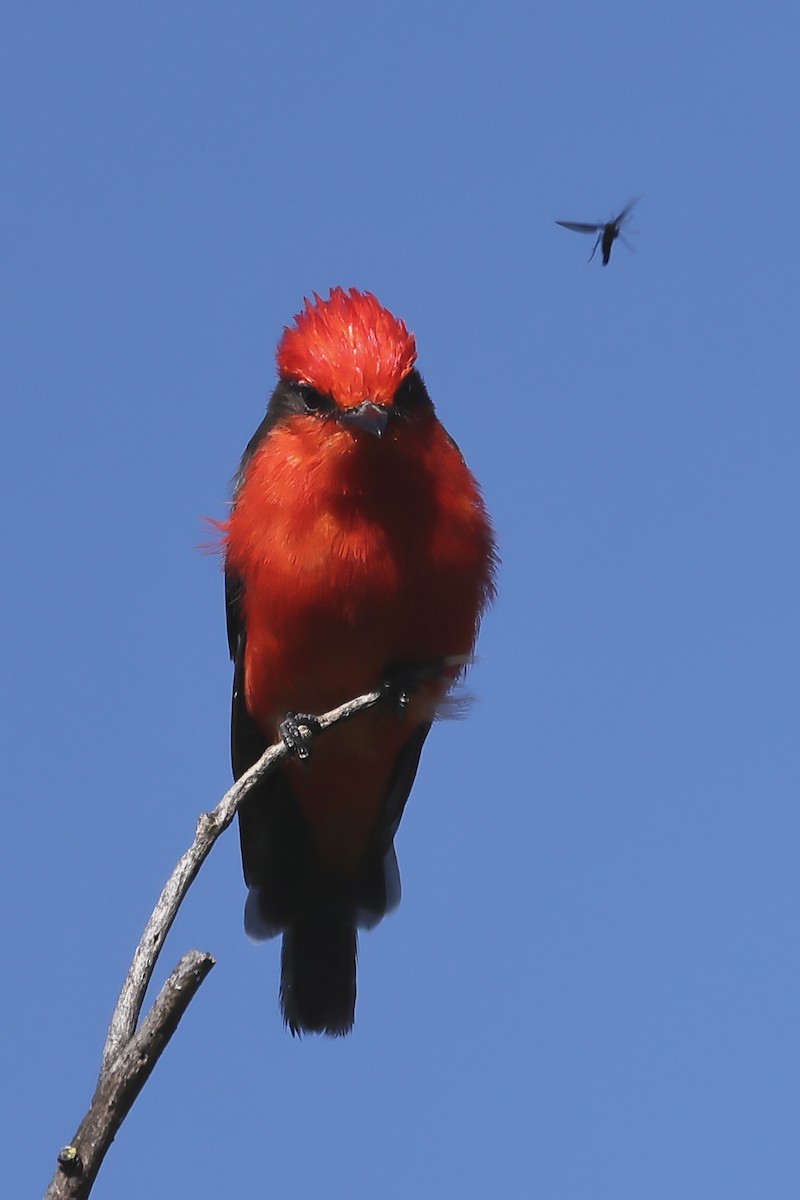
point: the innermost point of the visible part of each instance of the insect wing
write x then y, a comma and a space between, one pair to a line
618, 220
579, 227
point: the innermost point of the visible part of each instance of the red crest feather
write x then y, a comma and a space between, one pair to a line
348, 347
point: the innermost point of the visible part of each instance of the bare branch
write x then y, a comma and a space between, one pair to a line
119, 1086
209, 827
129, 1055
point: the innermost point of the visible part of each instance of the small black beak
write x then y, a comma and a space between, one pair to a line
370, 417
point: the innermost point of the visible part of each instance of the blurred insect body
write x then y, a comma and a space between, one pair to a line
606, 233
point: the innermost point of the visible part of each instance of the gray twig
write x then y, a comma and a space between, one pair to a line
130, 1054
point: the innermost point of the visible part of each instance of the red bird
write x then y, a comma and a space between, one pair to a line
357, 551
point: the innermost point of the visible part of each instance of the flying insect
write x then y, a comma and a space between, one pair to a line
607, 233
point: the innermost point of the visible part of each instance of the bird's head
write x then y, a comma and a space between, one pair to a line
349, 357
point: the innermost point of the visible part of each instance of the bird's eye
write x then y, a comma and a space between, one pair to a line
410, 396
313, 401
404, 393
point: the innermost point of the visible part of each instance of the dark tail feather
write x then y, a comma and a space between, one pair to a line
318, 974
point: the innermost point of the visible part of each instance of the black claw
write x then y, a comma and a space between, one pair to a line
297, 731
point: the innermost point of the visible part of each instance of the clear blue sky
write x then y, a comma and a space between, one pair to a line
591, 989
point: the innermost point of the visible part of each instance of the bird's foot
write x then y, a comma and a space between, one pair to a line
401, 683
297, 731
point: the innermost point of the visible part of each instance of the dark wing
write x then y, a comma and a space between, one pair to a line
247, 741
579, 227
268, 809
377, 889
